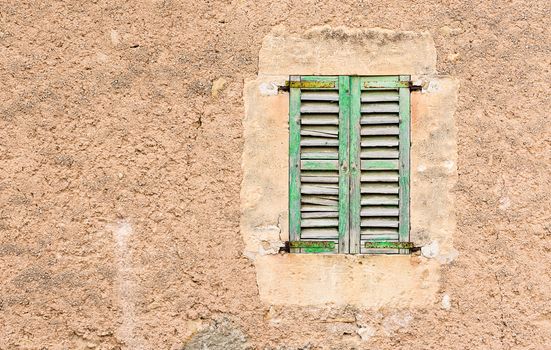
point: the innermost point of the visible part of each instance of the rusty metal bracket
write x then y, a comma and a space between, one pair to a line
308, 245
387, 85
308, 85
389, 245
312, 244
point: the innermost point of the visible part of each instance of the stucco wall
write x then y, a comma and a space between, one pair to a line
121, 140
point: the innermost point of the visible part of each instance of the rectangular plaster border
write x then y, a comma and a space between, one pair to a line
294, 279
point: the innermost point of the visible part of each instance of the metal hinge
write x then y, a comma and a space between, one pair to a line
329, 245
389, 245
308, 85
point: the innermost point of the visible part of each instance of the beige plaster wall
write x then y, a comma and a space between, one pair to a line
121, 138
368, 281
326, 50
433, 166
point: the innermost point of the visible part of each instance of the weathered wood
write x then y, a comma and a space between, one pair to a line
320, 200
318, 141
319, 155
383, 188
355, 165
383, 82
404, 161
380, 176
379, 231
380, 237
324, 149
324, 78
320, 179
294, 162
379, 251
368, 130
320, 223
313, 207
379, 153
362, 153
320, 173
344, 180
380, 107
330, 130
379, 164
321, 214
319, 189
318, 134
377, 223
317, 95
319, 164
319, 107
380, 96
380, 141
320, 233
320, 119
379, 211
380, 199
369, 119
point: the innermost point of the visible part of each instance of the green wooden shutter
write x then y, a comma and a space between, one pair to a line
319, 181
379, 142
349, 163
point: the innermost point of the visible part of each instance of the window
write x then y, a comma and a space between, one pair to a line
349, 164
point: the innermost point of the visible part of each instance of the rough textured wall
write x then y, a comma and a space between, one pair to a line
120, 151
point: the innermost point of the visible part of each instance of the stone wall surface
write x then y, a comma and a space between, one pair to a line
123, 132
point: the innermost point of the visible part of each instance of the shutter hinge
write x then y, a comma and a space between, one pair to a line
308, 85
391, 85
325, 245
414, 87
390, 245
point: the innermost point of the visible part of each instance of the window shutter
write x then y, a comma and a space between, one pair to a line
349, 164
379, 162
319, 157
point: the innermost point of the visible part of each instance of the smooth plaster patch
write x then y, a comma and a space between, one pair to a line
367, 281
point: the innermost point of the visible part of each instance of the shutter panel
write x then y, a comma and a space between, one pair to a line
318, 155
349, 164
379, 161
